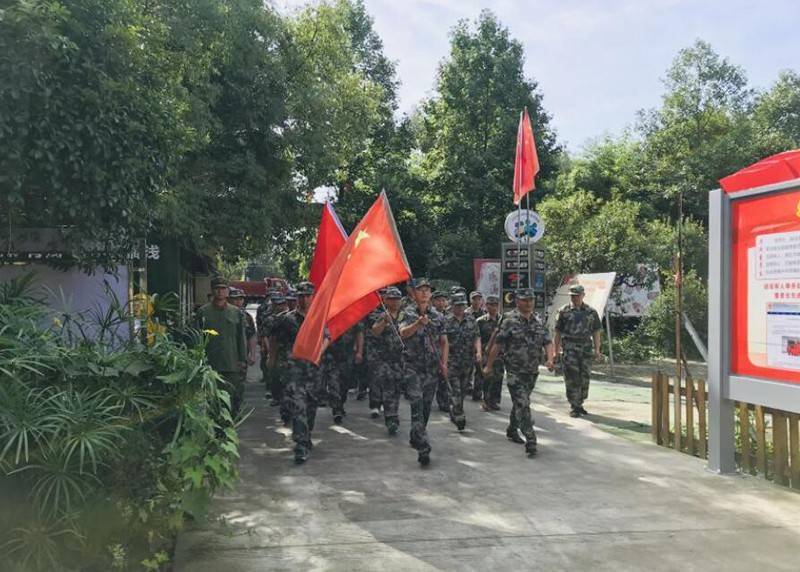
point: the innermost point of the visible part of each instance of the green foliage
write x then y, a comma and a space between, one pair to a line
104, 447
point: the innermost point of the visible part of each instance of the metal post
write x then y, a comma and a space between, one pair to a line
678, 314
610, 345
720, 409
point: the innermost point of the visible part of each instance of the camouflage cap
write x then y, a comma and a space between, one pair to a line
457, 290
576, 289
393, 293
475, 294
420, 282
492, 299
524, 294
305, 289
236, 293
459, 300
219, 282
439, 294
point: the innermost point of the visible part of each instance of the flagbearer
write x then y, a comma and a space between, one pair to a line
521, 337
304, 389
578, 330
422, 329
386, 356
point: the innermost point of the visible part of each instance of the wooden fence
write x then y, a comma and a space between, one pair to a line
767, 440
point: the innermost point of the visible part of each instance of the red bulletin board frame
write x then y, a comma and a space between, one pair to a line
752, 217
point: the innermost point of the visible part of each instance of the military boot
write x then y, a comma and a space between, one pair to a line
514, 437
530, 446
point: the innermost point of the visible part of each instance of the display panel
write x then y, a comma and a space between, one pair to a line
765, 289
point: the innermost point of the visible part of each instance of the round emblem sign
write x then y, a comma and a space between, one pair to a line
524, 226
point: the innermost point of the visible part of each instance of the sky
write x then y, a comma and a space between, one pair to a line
597, 62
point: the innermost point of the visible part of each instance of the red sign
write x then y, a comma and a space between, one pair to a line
765, 273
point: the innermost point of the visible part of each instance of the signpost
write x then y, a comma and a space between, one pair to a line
753, 307
523, 266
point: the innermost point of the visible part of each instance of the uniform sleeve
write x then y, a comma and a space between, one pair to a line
559, 327
503, 332
474, 331
546, 339
242, 335
407, 318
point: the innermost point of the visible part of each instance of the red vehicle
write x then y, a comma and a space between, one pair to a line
256, 290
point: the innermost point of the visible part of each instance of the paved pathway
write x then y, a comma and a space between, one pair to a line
590, 500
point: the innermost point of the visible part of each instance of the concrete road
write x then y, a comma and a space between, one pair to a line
591, 500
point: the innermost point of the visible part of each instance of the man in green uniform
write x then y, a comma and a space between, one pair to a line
385, 355
465, 348
276, 374
578, 331
262, 313
304, 389
426, 354
521, 337
338, 364
439, 301
236, 297
493, 384
475, 311
226, 350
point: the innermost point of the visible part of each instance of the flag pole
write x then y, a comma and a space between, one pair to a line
394, 326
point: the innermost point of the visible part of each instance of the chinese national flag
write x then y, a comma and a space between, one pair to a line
372, 258
330, 240
526, 163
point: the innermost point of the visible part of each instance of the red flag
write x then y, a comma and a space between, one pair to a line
372, 258
330, 240
526, 163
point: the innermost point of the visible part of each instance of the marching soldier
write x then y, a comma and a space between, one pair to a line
337, 368
304, 389
236, 297
475, 311
262, 313
439, 300
226, 350
465, 349
578, 331
422, 329
521, 337
386, 356
277, 372
492, 389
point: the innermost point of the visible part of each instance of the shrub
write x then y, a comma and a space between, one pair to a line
106, 444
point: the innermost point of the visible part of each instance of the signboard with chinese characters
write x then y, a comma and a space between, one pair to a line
765, 281
597, 289
487, 276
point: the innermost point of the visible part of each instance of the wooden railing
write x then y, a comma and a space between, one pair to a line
767, 440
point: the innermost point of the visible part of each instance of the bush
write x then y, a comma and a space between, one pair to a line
106, 444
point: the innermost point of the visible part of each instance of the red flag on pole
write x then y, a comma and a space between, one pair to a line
330, 240
372, 258
526, 163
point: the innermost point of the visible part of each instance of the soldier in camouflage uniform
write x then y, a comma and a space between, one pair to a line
521, 336
226, 350
304, 389
386, 356
441, 304
465, 348
277, 369
493, 384
337, 368
263, 311
578, 330
422, 329
291, 299
439, 301
475, 311
236, 297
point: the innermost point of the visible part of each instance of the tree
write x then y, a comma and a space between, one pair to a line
468, 138
777, 112
93, 120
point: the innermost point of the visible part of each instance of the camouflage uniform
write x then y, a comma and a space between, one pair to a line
522, 341
461, 336
262, 313
278, 374
386, 365
422, 371
226, 351
576, 326
304, 389
337, 369
493, 384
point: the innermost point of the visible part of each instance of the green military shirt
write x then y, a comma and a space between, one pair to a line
388, 346
522, 341
576, 325
422, 348
461, 336
486, 327
227, 350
